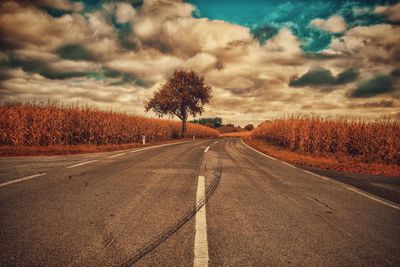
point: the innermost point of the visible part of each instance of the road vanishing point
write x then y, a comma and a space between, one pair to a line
197, 203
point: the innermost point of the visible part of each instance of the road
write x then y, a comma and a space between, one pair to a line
144, 207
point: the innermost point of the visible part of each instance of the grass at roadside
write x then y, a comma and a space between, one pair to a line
14, 151
323, 161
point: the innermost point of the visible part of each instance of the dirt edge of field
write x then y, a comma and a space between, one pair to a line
344, 164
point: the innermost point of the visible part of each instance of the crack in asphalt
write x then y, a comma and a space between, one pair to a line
321, 202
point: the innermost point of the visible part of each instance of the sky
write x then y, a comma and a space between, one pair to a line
263, 59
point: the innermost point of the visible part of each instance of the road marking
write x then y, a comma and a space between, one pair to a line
150, 147
365, 194
22, 179
258, 151
114, 156
373, 198
200, 239
287, 164
317, 175
207, 149
82, 163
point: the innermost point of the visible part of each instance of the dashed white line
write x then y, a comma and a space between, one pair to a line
21, 179
200, 239
373, 198
114, 156
82, 163
207, 149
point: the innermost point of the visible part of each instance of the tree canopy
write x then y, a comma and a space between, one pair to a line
185, 93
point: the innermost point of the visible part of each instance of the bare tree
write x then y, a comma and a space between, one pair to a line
184, 94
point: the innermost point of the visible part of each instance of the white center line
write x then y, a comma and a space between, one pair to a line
21, 179
200, 239
207, 149
114, 156
82, 163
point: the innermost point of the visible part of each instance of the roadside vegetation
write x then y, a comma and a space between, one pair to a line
333, 143
33, 124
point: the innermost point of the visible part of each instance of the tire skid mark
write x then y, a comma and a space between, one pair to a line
169, 231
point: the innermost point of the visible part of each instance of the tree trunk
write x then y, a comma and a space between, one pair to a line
183, 127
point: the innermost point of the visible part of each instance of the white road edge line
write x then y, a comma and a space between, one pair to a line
258, 151
346, 186
207, 149
114, 156
21, 179
200, 240
82, 163
373, 198
317, 175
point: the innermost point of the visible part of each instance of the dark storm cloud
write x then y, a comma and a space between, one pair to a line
395, 73
380, 84
380, 104
347, 76
322, 77
42, 68
74, 52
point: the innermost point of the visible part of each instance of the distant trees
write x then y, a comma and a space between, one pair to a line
209, 125
216, 121
185, 93
249, 127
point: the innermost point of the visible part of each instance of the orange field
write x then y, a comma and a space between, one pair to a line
366, 141
52, 124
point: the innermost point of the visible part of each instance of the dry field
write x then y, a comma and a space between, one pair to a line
53, 124
364, 141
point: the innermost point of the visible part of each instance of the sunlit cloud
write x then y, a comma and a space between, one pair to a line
263, 60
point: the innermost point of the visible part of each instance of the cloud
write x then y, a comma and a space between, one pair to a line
377, 85
375, 44
23, 25
61, 4
322, 77
380, 104
74, 52
347, 76
124, 12
335, 24
314, 77
117, 53
392, 12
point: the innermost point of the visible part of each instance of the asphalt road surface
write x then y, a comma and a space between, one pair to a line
145, 207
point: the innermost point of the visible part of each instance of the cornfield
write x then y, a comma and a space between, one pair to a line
366, 141
32, 124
